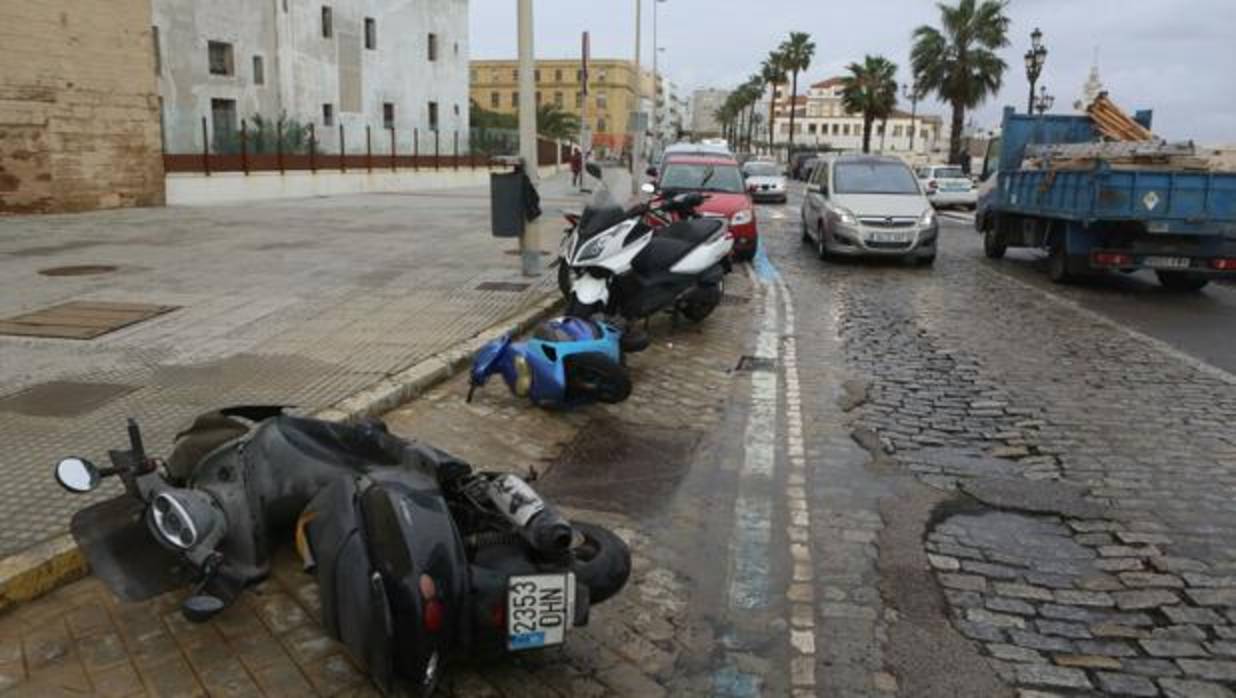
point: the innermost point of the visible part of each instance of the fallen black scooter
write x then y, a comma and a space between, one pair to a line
418, 558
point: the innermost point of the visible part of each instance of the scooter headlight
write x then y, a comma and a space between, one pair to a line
592, 249
523, 376
182, 518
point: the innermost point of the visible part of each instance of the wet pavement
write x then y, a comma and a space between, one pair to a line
855, 479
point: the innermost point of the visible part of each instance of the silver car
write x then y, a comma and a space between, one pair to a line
765, 181
946, 185
866, 205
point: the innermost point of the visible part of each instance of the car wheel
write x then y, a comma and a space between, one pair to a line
805, 233
821, 249
993, 245
925, 261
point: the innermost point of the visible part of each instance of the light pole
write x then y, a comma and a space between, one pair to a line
1035, 58
910, 92
1044, 101
656, 78
636, 137
529, 247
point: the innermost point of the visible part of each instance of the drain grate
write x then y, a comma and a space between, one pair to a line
508, 286
63, 398
514, 253
734, 300
755, 363
79, 270
80, 319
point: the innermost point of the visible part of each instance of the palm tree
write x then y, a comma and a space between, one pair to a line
797, 52
725, 118
959, 62
754, 89
772, 71
553, 122
871, 90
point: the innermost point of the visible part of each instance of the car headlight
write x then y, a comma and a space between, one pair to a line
928, 218
847, 218
742, 217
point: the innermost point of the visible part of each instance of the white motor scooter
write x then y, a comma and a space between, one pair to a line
622, 266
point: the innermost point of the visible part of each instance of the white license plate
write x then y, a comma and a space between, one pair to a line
1166, 262
540, 607
889, 237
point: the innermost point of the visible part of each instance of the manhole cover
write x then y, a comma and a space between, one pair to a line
755, 363
79, 270
80, 319
508, 286
63, 398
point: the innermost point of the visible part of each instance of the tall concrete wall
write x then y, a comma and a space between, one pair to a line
305, 70
79, 120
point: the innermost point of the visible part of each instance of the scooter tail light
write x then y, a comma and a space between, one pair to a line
1227, 264
497, 615
434, 615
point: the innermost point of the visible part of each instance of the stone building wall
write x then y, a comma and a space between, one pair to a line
79, 112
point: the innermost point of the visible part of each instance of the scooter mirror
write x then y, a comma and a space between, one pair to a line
201, 608
593, 169
648, 188
77, 475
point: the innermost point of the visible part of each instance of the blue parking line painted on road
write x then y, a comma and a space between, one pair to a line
763, 266
729, 681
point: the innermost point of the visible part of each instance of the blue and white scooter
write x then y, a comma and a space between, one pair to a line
567, 361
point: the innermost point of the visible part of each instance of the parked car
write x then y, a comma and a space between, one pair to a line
720, 179
765, 181
865, 205
947, 185
685, 148
797, 163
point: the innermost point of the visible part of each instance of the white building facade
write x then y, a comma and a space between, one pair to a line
382, 64
821, 120
704, 106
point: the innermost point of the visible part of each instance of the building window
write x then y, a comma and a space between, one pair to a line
388, 115
538, 97
328, 115
602, 101
515, 75
456, 48
579, 100
896, 132
536, 75
601, 125
579, 76
259, 71
328, 29
433, 47
220, 54
601, 75
223, 121
811, 128
433, 116
845, 130
495, 100
158, 53
558, 99
371, 33
558, 75
456, 110
515, 98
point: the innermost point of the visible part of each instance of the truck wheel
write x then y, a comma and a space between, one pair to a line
993, 245
1058, 265
1181, 280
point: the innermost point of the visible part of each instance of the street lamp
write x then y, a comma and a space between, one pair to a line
910, 92
656, 79
1035, 58
1044, 101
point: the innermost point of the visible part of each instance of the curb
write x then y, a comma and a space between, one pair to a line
47, 566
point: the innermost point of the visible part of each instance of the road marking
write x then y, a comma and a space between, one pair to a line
957, 216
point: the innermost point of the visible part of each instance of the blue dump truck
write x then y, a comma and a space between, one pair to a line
1052, 182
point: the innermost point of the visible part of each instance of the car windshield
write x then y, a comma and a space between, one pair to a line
701, 177
762, 169
873, 178
950, 173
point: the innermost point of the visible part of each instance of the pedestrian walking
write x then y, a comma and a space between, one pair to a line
577, 167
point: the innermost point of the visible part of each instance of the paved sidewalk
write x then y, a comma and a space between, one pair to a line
300, 302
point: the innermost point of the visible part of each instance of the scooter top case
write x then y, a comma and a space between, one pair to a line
392, 573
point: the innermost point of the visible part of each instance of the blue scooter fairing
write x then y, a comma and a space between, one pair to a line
536, 368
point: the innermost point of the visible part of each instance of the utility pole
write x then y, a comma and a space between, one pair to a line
911, 92
637, 134
529, 242
585, 138
1035, 58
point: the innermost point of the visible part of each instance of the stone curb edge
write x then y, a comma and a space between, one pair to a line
47, 566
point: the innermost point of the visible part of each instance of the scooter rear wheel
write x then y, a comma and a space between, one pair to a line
596, 377
602, 561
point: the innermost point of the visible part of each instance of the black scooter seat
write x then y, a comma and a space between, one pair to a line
693, 231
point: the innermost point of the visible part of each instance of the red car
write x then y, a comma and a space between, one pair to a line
720, 178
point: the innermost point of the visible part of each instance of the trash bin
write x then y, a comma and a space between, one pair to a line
507, 211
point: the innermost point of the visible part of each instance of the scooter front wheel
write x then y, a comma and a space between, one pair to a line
596, 377
601, 560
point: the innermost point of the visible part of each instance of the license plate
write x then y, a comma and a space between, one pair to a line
540, 607
889, 237
1166, 262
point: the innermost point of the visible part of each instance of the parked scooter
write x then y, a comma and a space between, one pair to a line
619, 267
417, 557
568, 361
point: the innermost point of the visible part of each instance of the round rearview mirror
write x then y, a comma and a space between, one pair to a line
648, 188
593, 169
77, 475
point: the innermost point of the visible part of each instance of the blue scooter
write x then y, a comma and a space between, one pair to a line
567, 361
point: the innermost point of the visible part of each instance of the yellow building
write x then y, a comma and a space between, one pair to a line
611, 95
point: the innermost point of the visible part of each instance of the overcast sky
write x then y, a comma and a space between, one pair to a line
1177, 57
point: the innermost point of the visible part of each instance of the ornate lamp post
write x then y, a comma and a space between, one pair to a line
1035, 58
1044, 101
910, 92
